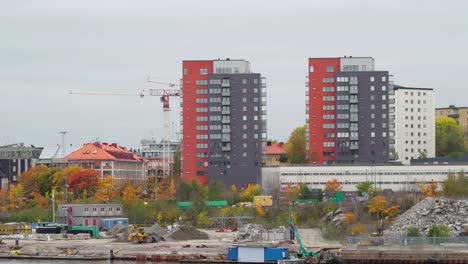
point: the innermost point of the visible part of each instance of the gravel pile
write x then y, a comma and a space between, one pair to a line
440, 211
184, 233
117, 229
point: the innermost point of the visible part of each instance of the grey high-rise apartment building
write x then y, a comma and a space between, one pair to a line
350, 112
224, 122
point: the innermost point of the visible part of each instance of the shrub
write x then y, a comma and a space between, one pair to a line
413, 232
439, 231
358, 229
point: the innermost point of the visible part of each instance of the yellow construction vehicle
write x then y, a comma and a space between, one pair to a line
139, 235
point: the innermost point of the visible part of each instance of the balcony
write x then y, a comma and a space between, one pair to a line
226, 148
354, 147
354, 138
226, 83
353, 100
353, 91
353, 129
226, 121
226, 112
226, 139
226, 102
226, 130
226, 93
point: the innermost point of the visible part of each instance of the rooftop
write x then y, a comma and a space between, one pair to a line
102, 151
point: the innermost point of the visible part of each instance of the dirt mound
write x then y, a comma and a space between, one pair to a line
185, 233
117, 229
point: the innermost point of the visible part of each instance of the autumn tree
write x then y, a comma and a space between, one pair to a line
216, 191
130, 200
332, 187
448, 136
38, 178
250, 191
291, 192
349, 218
430, 190
295, 146
15, 197
84, 182
358, 229
379, 206
106, 192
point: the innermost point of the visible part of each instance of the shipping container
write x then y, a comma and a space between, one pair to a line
108, 223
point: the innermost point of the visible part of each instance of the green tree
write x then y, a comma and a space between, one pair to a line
295, 147
304, 192
449, 136
216, 191
364, 187
439, 231
413, 232
456, 186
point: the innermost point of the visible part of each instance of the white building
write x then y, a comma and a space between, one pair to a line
414, 123
394, 177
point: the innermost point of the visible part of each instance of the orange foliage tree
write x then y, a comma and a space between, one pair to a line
84, 182
349, 218
40, 200
106, 191
332, 187
252, 190
358, 229
378, 206
430, 190
291, 192
15, 197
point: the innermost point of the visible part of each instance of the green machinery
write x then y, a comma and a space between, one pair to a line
303, 251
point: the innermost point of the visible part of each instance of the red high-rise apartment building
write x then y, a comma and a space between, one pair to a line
223, 122
349, 112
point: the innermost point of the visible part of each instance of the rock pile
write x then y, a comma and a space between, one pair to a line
336, 218
440, 211
250, 232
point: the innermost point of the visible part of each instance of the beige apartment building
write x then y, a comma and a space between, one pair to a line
460, 114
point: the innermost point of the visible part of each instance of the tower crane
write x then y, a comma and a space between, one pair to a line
164, 95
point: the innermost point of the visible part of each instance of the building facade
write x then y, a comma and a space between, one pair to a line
87, 214
223, 122
16, 159
414, 123
393, 177
152, 153
349, 112
460, 114
109, 160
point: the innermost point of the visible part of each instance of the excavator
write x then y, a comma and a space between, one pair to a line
139, 235
310, 256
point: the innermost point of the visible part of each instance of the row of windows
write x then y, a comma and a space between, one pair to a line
328, 80
328, 98
215, 100
419, 93
342, 79
202, 100
202, 145
202, 136
328, 144
328, 107
201, 91
202, 109
202, 127
328, 89
202, 118
328, 117
384, 134
201, 82
215, 108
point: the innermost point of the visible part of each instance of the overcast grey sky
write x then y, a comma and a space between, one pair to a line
50, 47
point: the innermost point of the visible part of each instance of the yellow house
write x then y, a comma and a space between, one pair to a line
273, 154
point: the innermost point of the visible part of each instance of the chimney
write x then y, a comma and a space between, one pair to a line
114, 145
268, 143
